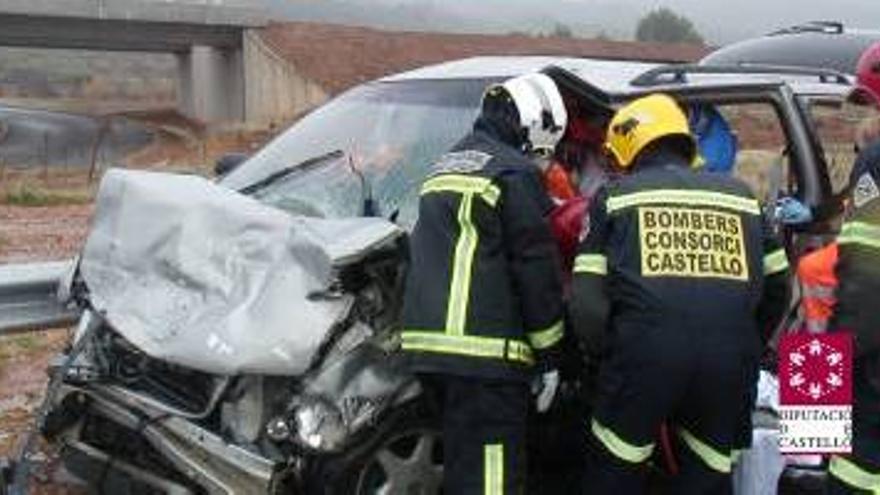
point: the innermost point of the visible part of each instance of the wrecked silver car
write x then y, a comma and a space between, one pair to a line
238, 336
227, 337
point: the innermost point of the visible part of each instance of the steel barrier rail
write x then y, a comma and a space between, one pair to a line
28, 298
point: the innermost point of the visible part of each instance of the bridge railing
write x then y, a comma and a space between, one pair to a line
227, 12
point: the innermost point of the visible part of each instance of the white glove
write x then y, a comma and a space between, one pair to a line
547, 391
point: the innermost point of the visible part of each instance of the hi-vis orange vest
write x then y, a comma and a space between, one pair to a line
818, 283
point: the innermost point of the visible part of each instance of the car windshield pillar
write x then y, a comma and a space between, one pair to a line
812, 187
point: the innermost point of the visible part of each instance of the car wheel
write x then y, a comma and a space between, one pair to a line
403, 455
410, 462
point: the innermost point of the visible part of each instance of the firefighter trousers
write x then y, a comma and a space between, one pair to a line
653, 376
484, 434
859, 473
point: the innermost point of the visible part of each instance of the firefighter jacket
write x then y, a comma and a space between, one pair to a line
483, 291
858, 275
858, 272
858, 264
682, 252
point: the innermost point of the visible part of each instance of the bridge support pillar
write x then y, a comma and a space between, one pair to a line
211, 84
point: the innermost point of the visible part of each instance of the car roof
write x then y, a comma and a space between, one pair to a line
614, 77
609, 75
818, 44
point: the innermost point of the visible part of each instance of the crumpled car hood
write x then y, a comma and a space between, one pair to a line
202, 276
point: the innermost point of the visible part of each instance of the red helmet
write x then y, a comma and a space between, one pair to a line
868, 76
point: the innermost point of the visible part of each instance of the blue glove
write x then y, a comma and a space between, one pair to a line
791, 211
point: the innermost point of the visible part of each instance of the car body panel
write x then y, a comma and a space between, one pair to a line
197, 275
603, 84
612, 77
826, 45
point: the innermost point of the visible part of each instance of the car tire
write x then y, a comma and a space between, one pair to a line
403, 454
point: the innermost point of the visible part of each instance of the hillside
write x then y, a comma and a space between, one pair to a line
338, 56
719, 22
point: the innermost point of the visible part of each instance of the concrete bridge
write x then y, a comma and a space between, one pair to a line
208, 37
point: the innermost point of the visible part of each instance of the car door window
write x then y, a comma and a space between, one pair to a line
762, 159
838, 125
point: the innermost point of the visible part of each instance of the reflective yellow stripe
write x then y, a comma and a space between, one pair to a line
464, 184
775, 262
684, 197
714, 459
493, 469
462, 266
735, 455
620, 448
860, 233
542, 339
467, 345
851, 474
596, 264
520, 352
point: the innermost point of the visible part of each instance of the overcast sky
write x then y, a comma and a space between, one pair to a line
719, 21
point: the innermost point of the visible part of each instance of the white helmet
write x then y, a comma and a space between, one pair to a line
542, 113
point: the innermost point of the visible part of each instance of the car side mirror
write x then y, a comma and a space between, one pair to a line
229, 162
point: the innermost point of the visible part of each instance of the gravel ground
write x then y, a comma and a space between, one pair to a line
42, 233
35, 234
23, 363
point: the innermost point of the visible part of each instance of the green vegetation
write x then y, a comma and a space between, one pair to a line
663, 25
26, 194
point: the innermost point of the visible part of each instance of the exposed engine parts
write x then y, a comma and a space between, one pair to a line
179, 429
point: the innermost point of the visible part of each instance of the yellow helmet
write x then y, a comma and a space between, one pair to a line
643, 121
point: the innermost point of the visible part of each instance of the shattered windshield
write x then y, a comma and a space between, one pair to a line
320, 191
390, 132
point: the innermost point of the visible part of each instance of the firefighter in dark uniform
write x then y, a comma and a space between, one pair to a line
858, 272
482, 310
671, 284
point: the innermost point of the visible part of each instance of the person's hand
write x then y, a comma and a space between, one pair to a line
549, 382
791, 211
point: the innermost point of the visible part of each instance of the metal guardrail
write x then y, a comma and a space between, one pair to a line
28, 298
